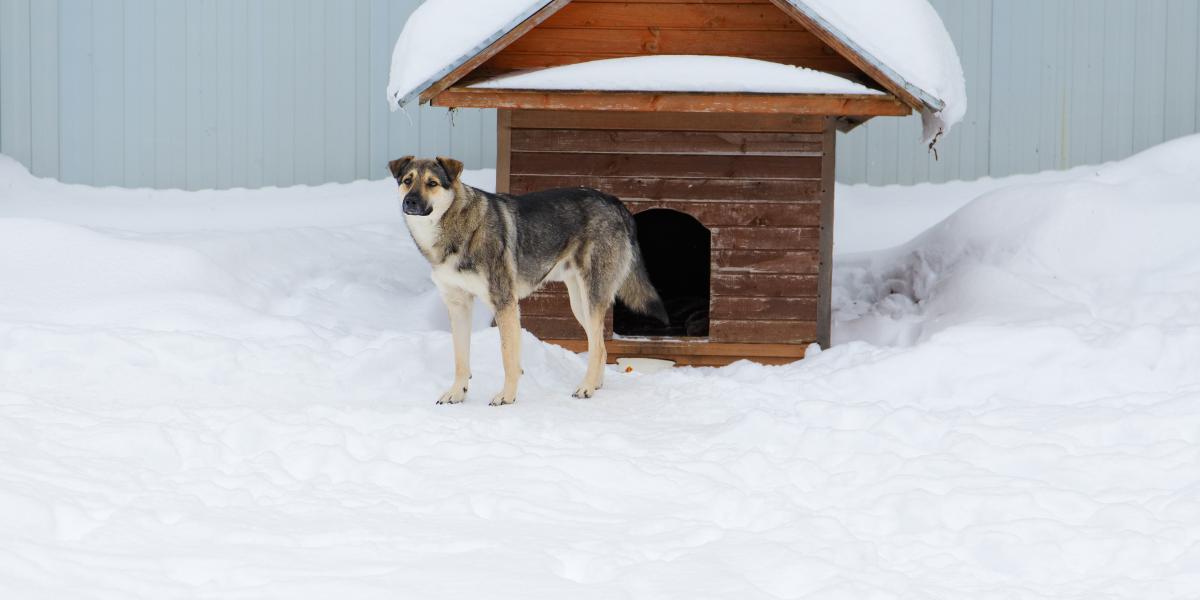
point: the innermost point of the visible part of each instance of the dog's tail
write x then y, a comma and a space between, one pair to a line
638, 293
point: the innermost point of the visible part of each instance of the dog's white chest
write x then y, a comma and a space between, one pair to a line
424, 231
447, 274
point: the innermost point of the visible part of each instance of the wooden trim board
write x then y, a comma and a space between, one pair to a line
685, 102
700, 352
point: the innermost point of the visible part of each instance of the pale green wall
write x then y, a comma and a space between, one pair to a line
221, 93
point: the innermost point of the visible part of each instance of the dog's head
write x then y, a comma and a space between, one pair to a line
427, 187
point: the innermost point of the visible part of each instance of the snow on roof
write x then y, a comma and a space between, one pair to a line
674, 73
905, 37
908, 37
428, 49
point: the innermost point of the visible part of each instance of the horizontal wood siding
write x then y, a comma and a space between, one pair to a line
755, 182
584, 31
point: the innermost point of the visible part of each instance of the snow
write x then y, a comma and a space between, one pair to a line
671, 73
906, 36
231, 394
909, 37
440, 35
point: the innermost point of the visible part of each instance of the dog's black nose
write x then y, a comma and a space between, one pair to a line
412, 206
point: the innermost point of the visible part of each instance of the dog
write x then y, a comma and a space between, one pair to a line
501, 248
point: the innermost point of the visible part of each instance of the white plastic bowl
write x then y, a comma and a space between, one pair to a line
644, 365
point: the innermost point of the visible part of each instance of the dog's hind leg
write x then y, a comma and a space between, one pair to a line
508, 318
459, 305
591, 318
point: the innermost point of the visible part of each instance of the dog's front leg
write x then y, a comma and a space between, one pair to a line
459, 305
508, 319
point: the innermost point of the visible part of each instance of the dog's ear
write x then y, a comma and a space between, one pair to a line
453, 167
397, 166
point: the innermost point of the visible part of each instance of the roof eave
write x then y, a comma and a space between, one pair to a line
419, 91
924, 101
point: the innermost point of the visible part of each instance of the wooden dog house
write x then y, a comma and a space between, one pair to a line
733, 192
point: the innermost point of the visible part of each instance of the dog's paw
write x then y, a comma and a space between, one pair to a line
585, 391
453, 396
501, 399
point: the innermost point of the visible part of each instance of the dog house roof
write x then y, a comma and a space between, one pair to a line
900, 44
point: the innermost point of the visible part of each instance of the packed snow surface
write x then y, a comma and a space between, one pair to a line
231, 395
680, 73
906, 36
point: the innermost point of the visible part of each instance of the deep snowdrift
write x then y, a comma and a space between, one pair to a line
230, 394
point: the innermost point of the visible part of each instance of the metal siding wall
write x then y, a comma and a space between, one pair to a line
214, 93
226, 93
1051, 84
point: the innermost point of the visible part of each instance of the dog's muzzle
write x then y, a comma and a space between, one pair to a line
413, 205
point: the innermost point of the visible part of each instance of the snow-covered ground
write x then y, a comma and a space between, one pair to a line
231, 395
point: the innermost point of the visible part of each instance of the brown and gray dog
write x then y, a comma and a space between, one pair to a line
501, 248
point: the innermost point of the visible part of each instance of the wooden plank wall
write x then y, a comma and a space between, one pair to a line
595, 29
755, 181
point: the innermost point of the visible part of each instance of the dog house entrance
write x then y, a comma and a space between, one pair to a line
676, 249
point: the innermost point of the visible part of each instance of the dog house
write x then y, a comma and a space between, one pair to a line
732, 189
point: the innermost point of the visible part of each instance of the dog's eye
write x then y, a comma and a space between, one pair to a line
432, 183
408, 181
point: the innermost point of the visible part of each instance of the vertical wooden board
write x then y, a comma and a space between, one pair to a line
75, 127
1150, 75
224, 58
1182, 65
44, 91
825, 275
138, 93
504, 151
254, 106
404, 130
16, 136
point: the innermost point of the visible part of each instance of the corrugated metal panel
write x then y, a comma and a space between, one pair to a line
223, 93
214, 93
1051, 84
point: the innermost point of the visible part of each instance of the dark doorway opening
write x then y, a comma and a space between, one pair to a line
676, 248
